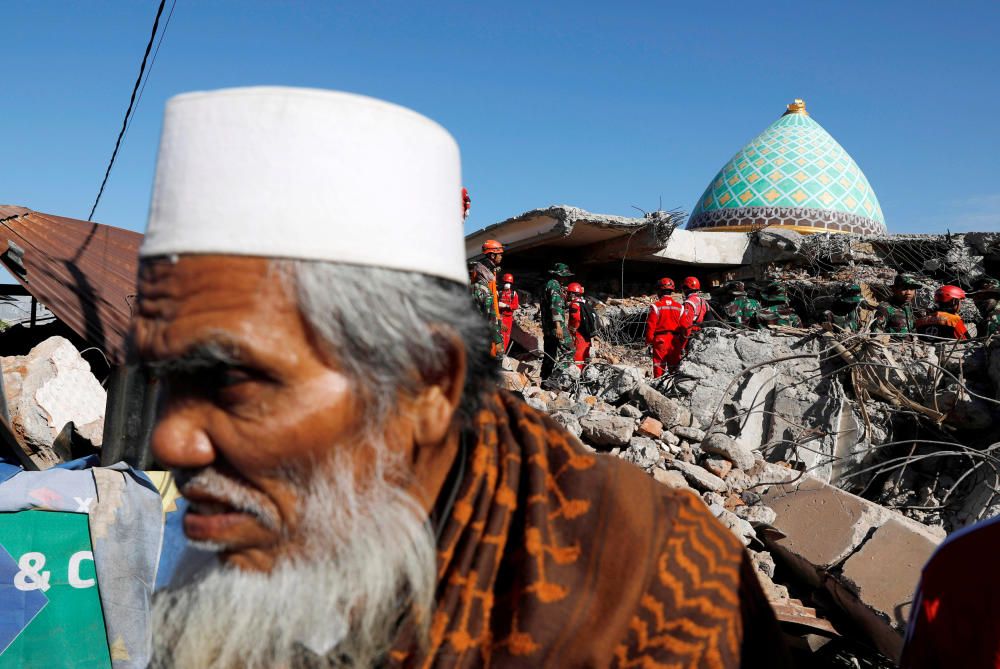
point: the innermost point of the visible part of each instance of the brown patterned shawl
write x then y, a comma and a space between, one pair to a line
553, 556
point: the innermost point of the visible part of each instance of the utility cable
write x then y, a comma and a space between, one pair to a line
152, 63
128, 112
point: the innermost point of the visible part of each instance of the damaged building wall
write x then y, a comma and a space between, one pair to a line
622, 256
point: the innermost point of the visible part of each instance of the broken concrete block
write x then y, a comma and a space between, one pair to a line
630, 411
670, 477
671, 438
669, 412
822, 524
692, 434
724, 445
513, 381
650, 427
741, 528
50, 386
877, 583
718, 466
568, 421
775, 592
602, 429
531, 391
755, 399
756, 514
763, 562
699, 478
619, 382
564, 378
738, 481
562, 402
537, 404
642, 452
714, 499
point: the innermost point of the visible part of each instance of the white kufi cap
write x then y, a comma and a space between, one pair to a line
307, 174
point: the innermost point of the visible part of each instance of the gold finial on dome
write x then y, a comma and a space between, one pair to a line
797, 107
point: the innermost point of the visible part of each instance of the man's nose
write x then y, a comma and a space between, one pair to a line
179, 438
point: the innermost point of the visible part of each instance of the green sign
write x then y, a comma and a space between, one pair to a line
50, 608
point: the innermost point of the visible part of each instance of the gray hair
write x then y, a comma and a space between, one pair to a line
386, 329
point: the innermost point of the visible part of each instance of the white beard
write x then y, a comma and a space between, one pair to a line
369, 562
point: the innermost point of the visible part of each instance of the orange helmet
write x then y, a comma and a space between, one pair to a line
666, 283
946, 294
508, 278
574, 288
492, 246
691, 283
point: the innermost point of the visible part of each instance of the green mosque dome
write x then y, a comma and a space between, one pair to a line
793, 175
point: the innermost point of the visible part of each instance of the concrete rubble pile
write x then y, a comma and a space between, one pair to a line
840, 460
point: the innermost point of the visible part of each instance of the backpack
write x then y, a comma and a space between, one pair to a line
589, 322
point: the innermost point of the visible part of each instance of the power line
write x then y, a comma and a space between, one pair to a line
152, 63
128, 112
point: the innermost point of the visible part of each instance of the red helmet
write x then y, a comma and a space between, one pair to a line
666, 283
946, 294
508, 278
492, 246
574, 288
691, 283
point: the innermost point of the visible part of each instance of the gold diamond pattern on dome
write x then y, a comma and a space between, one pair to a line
823, 189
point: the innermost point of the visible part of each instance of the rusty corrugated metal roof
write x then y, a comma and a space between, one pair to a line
85, 273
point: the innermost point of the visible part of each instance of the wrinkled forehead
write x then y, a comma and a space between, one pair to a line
195, 298
192, 278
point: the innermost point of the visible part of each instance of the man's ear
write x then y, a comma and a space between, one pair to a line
434, 408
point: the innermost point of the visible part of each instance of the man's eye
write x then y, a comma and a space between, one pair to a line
230, 377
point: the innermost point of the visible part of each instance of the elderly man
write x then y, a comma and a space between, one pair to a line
370, 498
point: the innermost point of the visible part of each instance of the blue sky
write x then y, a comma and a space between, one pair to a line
602, 105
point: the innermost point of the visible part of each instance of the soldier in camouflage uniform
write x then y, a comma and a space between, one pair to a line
776, 310
986, 300
482, 296
739, 308
849, 312
557, 339
897, 316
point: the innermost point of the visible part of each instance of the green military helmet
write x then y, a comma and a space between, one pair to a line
905, 280
560, 269
851, 294
736, 289
774, 291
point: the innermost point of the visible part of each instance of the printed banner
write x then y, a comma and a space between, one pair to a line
50, 607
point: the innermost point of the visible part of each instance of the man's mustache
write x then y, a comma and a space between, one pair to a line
211, 483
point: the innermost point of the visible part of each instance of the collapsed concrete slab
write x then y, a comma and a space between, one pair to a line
877, 583
822, 524
46, 389
866, 556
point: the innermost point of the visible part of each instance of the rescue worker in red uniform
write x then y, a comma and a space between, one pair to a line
945, 323
695, 309
664, 331
581, 343
509, 303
